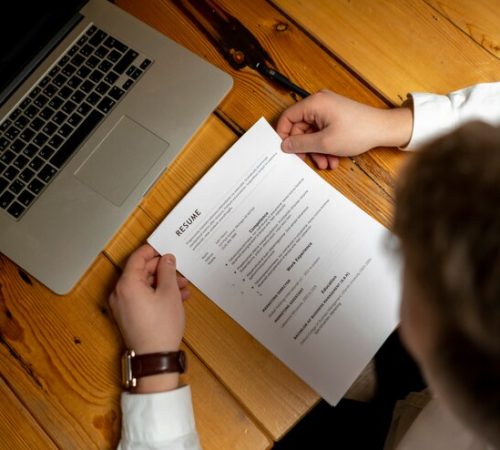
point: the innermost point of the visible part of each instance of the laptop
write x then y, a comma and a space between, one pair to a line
94, 106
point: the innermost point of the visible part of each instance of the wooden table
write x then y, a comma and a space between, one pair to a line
59, 367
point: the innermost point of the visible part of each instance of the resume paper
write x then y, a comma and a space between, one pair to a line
299, 266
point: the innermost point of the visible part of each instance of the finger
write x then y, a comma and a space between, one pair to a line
302, 156
293, 115
167, 275
138, 259
333, 162
185, 294
304, 143
320, 160
182, 282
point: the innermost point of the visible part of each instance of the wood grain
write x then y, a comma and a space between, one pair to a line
397, 47
478, 19
18, 429
61, 357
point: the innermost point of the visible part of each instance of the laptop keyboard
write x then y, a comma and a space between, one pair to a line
52, 120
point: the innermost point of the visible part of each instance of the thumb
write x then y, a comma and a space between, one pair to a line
304, 143
166, 276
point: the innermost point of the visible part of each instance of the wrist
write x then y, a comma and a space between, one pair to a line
397, 126
157, 383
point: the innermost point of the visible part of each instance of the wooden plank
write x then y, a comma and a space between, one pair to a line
478, 19
291, 51
398, 47
61, 357
17, 427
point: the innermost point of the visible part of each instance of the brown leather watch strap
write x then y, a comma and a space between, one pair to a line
155, 363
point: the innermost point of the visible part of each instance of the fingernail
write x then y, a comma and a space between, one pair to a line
287, 145
170, 258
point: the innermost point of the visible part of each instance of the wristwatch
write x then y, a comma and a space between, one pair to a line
138, 366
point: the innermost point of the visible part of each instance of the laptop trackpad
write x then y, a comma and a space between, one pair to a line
120, 161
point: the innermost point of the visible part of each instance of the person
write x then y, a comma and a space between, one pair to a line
450, 314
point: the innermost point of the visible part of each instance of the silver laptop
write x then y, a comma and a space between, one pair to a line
94, 107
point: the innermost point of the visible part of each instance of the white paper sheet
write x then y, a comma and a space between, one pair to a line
293, 261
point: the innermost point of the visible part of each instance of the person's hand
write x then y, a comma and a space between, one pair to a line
147, 305
327, 125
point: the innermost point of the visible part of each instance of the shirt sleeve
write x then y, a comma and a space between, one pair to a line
158, 421
435, 115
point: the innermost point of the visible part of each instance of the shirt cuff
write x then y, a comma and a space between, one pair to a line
433, 116
158, 418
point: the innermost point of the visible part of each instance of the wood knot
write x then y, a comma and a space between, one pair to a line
77, 340
281, 26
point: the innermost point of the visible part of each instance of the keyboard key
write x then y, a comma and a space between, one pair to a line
91, 30
137, 73
36, 163
5, 199
31, 111
59, 118
3, 143
77, 60
30, 150
69, 69
75, 119
46, 113
86, 50
50, 90
79, 135
92, 62
45, 153
56, 102
37, 123
115, 43
96, 76
26, 197
101, 52
83, 72
15, 114
82, 40
17, 145
127, 84
12, 132
73, 50
53, 72
27, 134
34, 92
16, 209
3, 184
50, 128
56, 141
5, 124
111, 77
106, 104
21, 122
41, 100
2, 168
36, 186
45, 81
46, 173
21, 161
105, 66
97, 38
16, 186
102, 87
7, 157
27, 100
69, 107
114, 56
78, 96
26, 175
125, 61
145, 64
116, 93
74, 81
40, 139
60, 79
93, 98
130, 70
65, 92
65, 130
10, 173
63, 61
84, 109
87, 86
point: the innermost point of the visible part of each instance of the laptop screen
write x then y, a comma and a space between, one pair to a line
28, 28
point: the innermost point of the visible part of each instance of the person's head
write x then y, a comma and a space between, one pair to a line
447, 218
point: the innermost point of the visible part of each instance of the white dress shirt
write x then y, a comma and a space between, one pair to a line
166, 420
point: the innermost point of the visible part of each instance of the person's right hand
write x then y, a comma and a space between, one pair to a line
327, 125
